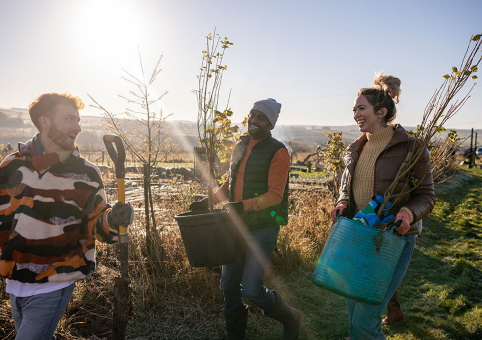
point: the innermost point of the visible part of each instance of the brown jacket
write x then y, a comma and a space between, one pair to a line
421, 198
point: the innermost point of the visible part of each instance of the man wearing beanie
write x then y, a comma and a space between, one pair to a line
257, 193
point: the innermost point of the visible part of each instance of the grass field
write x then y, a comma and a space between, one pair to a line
441, 294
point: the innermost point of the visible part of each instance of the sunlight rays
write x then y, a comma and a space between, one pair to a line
108, 33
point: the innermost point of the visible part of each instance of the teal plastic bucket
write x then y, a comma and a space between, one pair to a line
358, 261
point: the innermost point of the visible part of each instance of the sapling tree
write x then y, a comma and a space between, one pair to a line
332, 155
438, 111
149, 141
443, 151
226, 134
214, 126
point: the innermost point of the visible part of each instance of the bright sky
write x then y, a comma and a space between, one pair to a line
311, 56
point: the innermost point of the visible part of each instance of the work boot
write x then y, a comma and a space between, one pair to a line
289, 317
394, 313
236, 322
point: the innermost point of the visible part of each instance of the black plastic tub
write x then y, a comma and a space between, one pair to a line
208, 237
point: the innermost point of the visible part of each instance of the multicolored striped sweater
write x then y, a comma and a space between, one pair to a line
51, 213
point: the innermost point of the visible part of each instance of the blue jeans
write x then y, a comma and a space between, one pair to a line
245, 275
365, 320
36, 317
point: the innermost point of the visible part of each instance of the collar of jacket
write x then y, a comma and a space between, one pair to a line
33, 148
245, 139
353, 150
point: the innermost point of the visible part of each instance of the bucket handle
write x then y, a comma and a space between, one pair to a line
396, 225
337, 219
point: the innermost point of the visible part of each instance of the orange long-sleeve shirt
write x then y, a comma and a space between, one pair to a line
277, 177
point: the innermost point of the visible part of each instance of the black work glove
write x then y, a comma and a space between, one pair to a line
237, 207
121, 214
199, 205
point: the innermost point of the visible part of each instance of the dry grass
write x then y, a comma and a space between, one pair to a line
171, 299
304, 236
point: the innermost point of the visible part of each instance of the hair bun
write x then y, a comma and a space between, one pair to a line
388, 83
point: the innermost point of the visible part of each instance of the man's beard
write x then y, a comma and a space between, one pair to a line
256, 132
61, 139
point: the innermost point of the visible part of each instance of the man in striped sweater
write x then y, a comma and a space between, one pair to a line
52, 210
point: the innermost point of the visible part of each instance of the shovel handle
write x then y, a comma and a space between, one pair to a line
118, 156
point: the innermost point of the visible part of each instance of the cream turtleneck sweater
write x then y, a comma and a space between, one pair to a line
363, 177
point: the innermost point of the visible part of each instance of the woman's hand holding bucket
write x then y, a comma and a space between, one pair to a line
403, 216
338, 210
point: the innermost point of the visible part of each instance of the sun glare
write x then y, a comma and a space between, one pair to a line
108, 32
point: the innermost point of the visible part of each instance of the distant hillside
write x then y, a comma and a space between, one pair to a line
9, 120
15, 126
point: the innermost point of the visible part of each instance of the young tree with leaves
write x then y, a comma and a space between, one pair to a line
332, 155
438, 111
214, 127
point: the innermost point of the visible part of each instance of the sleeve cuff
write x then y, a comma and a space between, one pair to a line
341, 201
410, 213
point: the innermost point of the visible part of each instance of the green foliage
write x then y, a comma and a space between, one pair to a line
207, 94
467, 71
415, 133
215, 130
453, 136
226, 134
437, 112
443, 152
332, 154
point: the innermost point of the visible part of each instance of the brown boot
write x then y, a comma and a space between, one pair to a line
289, 317
236, 322
394, 313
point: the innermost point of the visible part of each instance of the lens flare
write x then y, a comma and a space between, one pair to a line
280, 220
